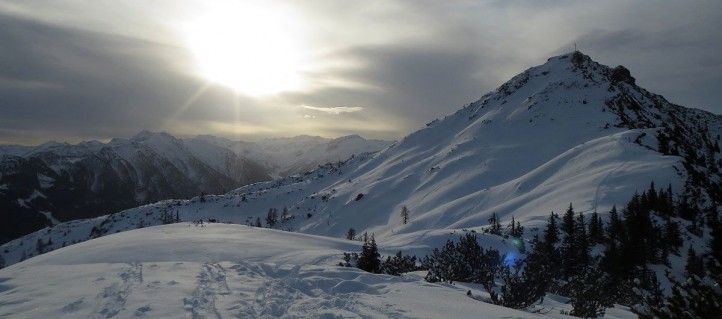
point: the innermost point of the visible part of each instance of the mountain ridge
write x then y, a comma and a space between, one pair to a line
60, 181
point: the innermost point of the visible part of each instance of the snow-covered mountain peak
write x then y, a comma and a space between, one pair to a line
142, 136
154, 137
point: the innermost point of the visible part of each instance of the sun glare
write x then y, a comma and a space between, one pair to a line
254, 48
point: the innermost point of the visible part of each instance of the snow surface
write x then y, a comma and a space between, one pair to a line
230, 271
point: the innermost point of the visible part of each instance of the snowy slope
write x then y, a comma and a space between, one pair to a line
230, 271
567, 131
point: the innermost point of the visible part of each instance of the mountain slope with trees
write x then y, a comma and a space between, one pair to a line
56, 182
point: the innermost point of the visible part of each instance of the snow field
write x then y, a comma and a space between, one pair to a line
228, 271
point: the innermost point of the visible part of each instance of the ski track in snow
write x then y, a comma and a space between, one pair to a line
603, 182
212, 285
288, 291
111, 301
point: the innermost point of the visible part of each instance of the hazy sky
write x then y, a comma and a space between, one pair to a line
79, 70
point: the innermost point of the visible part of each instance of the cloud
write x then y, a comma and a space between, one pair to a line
333, 110
82, 71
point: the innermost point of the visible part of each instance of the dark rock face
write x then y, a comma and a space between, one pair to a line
578, 58
622, 74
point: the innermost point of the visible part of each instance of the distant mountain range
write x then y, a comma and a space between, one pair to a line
56, 182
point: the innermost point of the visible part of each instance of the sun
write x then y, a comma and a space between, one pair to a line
253, 48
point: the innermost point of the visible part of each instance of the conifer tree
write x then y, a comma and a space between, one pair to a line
672, 237
516, 291
404, 215
522, 289
581, 242
715, 246
596, 229
399, 264
515, 228
695, 265
569, 249
271, 217
551, 233
369, 258
442, 264
586, 293
615, 230
494, 224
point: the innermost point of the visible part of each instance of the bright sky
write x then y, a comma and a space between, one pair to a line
80, 70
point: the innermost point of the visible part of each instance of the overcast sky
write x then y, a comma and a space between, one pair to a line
81, 70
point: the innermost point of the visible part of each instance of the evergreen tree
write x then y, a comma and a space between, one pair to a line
615, 231
686, 210
581, 242
351, 234
369, 258
551, 234
523, 289
612, 259
641, 245
672, 236
696, 298
399, 264
715, 246
404, 215
652, 197
569, 249
442, 264
547, 245
586, 293
39, 246
271, 217
463, 261
284, 215
494, 225
695, 264
596, 229
515, 229
258, 222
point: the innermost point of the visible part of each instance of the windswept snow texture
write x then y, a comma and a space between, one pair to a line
230, 271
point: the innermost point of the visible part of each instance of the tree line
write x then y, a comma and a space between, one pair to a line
646, 232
